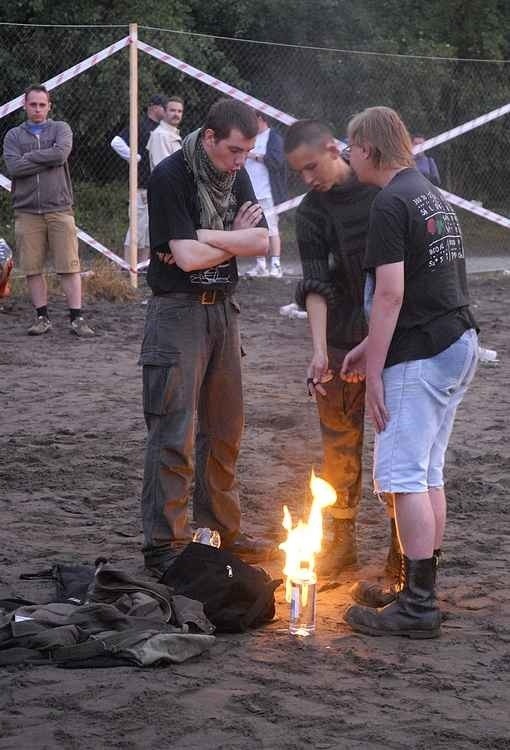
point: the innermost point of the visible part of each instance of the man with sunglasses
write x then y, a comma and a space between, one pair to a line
331, 228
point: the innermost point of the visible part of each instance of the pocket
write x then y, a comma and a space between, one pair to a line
445, 370
160, 386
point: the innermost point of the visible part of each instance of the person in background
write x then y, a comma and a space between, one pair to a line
36, 154
120, 144
331, 230
426, 164
267, 169
419, 358
165, 140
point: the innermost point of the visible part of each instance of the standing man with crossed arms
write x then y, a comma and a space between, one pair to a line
36, 155
203, 215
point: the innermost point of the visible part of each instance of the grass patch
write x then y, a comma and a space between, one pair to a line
106, 281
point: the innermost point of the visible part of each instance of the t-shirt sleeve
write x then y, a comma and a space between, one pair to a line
387, 233
170, 216
244, 192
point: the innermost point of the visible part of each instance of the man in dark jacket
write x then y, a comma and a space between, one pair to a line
35, 154
331, 227
267, 169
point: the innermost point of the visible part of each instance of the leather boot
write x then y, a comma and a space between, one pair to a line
339, 546
372, 594
414, 613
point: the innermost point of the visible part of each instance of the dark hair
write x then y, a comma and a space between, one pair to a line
311, 132
37, 87
175, 99
158, 100
227, 114
262, 116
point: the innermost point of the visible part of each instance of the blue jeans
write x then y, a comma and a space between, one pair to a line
422, 397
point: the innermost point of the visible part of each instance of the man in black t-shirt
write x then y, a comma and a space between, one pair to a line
331, 230
419, 357
202, 215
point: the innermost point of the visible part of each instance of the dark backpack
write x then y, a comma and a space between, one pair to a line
236, 596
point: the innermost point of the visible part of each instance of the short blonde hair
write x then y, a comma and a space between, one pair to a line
383, 130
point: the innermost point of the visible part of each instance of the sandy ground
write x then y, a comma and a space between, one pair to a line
71, 451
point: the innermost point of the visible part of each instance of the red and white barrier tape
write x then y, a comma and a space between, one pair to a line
66, 75
465, 128
225, 88
450, 197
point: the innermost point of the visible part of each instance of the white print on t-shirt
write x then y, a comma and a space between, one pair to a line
211, 276
444, 236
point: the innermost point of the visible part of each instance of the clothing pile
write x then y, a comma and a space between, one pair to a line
103, 617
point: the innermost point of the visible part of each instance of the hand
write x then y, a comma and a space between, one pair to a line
317, 373
248, 216
353, 366
376, 407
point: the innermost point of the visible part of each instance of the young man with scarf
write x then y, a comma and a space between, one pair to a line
202, 215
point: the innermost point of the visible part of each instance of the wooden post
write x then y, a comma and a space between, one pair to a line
133, 158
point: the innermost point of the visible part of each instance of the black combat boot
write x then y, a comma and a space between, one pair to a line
372, 594
339, 546
414, 612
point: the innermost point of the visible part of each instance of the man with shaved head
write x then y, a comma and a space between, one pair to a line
331, 227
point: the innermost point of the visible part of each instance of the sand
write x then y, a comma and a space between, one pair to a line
71, 457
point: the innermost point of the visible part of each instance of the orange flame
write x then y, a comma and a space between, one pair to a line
304, 540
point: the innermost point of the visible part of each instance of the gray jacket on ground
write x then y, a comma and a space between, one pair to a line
41, 182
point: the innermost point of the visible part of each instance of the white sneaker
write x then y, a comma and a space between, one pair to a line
276, 272
257, 271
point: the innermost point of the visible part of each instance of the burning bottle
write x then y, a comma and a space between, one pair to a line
302, 545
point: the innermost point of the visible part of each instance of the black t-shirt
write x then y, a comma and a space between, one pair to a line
331, 231
145, 128
410, 221
174, 214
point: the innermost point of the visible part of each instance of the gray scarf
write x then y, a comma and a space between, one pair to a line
215, 198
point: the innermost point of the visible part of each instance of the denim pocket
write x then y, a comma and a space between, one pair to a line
445, 371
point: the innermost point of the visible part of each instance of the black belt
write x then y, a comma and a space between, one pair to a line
207, 297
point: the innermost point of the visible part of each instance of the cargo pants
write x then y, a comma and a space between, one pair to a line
191, 358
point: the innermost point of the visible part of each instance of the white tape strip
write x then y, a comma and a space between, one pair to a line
277, 114
6, 184
225, 88
450, 197
66, 75
460, 129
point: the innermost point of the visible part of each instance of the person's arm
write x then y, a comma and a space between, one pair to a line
386, 253
57, 154
214, 246
121, 148
17, 164
317, 309
241, 242
193, 255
